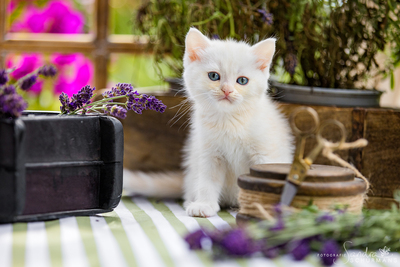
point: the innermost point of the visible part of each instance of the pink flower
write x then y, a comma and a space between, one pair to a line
57, 9
82, 73
11, 7
63, 85
36, 21
70, 23
64, 18
18, 26
63, 59
29, 63
57, 17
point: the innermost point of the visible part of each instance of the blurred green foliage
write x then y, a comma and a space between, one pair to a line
138, 70
328, 43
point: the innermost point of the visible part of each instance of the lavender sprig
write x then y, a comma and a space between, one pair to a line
80, 103
3, 77
267, 17
47, 71
298, 234
27, 82
11, 103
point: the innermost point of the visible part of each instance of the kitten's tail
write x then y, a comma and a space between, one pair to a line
153, 184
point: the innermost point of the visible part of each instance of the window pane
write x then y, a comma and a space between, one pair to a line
139, 70
74, 72
121, 16
50, 16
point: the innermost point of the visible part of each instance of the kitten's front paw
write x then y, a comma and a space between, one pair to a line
201, 209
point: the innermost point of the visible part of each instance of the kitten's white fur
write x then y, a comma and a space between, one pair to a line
228, 134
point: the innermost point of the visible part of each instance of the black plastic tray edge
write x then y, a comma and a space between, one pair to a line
57, 215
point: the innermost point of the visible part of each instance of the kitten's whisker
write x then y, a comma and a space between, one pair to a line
187, 122
180, 116
179, 91
181, 105
183, 102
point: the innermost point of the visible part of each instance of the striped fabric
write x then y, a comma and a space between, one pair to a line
140, 232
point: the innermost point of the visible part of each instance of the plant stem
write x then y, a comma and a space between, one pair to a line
100, 102
231, 19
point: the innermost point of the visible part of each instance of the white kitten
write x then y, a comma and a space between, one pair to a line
234, 124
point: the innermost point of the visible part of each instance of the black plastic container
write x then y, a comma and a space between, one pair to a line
52, 166
308, 95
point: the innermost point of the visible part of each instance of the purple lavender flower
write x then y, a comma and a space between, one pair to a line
8, 90
271, 253
325, 218
82, 97
300, 249
278, 209
77, 101
341, 210
48, 71
236, 242
267, 17
125, 88
78, 104
118, 111
119, 90
329, 252
3, 77
137, 108
64, 99
194, 239
280, 225
27, 82
11, 103
138, 103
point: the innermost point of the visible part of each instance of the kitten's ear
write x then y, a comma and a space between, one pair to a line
194, 43
265, 50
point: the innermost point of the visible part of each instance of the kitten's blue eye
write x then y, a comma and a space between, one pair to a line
242, 80
213, 76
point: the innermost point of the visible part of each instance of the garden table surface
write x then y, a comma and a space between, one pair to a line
139, 232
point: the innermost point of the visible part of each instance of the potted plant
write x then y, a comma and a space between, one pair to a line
321, 44
56, 164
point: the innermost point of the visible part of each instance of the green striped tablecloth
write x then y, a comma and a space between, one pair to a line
140, 232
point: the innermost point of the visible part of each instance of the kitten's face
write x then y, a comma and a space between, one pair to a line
226, 74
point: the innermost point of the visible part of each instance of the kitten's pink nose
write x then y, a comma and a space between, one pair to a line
226, 89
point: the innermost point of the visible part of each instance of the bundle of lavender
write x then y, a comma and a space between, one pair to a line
12, 103
80, 103
327, 235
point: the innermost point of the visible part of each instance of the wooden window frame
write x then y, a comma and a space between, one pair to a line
99, 45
